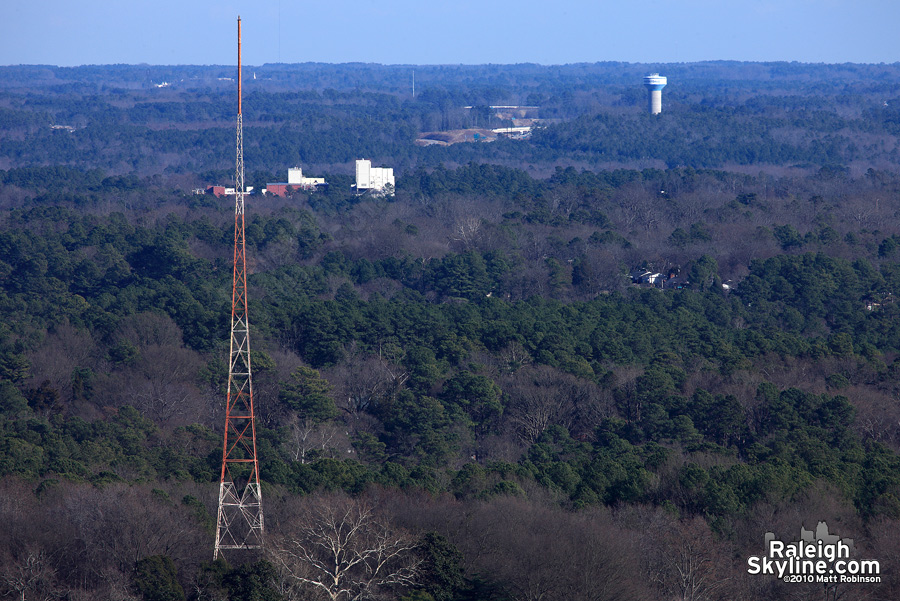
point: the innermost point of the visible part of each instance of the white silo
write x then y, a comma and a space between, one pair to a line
654, 84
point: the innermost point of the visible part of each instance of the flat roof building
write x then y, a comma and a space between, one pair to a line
373, 179
295, 181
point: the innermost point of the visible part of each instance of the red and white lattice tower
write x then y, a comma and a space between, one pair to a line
240, 515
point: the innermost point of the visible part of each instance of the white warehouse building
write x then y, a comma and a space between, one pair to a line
295, 181
374, 179
295, 178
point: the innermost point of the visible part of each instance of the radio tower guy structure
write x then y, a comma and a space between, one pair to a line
240, 515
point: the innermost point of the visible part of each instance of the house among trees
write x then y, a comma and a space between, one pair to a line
672, 280
676, 282
646, 276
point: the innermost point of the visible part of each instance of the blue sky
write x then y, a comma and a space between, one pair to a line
67, 32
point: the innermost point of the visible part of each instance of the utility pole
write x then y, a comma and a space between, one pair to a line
240, 517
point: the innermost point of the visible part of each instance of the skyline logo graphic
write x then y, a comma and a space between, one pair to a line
817, 556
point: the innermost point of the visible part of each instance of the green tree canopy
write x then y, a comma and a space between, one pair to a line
307, 393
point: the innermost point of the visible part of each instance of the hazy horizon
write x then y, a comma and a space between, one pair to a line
402, 32
271, 64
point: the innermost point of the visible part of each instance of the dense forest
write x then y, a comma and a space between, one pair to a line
717, 114
466, 372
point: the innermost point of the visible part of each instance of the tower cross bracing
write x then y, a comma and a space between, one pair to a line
239, 523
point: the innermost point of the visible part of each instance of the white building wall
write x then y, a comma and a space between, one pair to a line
363, 174
382, 177
372, 178
295, 178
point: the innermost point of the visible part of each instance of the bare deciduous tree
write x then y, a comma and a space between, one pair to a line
540, 397
539, 552
161, 387
119, 527
684, 560
149, 329
62, 351
514, 356
466, 230
340, 549
30, 575
363, 381
307, 436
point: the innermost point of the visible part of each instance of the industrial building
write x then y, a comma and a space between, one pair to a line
373, 179
295, 181
220, 191
654, 84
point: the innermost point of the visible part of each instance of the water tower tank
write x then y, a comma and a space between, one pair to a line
654, 84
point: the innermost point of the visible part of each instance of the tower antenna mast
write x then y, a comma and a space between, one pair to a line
240, 517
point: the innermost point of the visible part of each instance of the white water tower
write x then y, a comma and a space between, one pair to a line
654, 84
